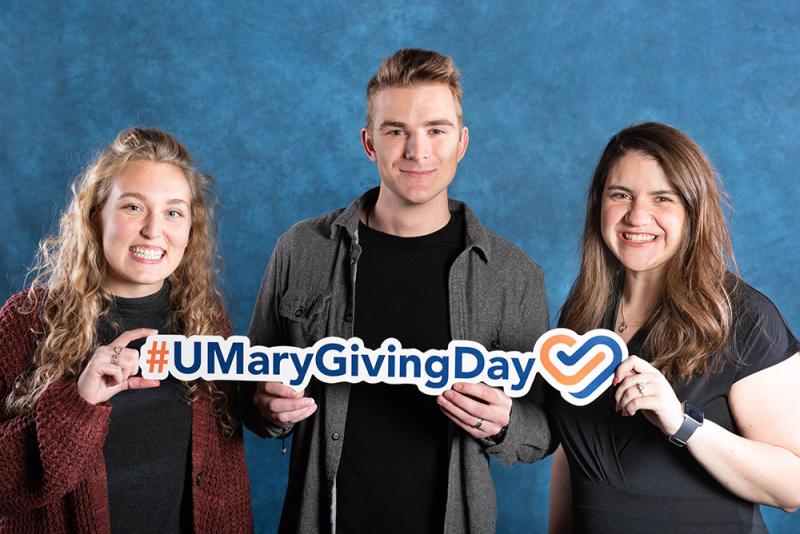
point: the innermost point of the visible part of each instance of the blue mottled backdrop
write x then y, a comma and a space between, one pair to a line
270, 97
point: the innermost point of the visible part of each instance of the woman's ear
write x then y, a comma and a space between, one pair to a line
94, 219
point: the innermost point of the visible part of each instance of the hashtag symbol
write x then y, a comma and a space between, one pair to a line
158, 357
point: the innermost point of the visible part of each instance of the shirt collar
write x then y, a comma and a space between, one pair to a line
477, 236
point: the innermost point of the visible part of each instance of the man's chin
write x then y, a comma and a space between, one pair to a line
422, 195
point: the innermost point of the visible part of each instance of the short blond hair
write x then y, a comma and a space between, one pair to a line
412, 66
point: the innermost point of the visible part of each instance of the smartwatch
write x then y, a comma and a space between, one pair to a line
692, 420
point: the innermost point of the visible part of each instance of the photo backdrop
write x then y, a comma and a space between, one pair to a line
269, 96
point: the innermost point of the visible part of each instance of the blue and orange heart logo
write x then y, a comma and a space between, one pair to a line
581, 367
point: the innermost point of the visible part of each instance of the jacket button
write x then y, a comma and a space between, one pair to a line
348, 317
298, 312
495, 344
200, 477
335, 436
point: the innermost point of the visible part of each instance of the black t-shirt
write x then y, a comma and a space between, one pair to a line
147, 446
626, 477
392, 475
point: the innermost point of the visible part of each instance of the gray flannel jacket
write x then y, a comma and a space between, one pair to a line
496, 297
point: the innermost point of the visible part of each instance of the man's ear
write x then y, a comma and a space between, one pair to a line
369, 147
463, 142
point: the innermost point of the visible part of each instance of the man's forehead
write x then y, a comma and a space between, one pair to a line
421, 102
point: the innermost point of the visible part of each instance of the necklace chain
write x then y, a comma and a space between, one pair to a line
623, 324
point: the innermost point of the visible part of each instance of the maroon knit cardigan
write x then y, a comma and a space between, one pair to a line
52, 470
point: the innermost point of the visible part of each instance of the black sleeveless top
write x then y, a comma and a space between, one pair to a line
626, 477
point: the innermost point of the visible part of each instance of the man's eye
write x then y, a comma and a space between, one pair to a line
394, 132
438, 131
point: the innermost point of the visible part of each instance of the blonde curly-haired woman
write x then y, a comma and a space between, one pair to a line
86, 445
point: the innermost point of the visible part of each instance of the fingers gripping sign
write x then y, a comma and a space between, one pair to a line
113, 368
282, 405
480, 410
643, 388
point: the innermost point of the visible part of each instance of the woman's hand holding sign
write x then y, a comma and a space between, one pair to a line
282, 405
482, 411
113, 368
643, 387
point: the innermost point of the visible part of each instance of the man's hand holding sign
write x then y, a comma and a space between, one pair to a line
282, 405
488, 408
480, 410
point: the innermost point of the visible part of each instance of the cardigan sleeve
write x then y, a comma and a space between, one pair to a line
44, 454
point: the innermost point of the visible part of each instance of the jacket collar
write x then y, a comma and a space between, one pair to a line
477, 236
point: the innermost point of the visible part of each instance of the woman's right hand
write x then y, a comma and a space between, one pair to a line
113, 368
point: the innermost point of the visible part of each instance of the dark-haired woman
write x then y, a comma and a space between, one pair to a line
702, 424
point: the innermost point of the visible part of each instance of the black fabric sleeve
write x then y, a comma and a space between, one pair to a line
762, 337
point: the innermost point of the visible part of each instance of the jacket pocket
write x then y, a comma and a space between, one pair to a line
306, 317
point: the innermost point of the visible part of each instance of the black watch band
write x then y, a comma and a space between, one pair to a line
692, 420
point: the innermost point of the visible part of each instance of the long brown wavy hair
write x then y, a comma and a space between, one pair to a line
71, 267
691, 324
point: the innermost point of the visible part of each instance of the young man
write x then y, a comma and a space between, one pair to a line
402, 261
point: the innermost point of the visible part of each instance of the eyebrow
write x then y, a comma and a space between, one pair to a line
654, 193
397, 124
141, 197
440, 122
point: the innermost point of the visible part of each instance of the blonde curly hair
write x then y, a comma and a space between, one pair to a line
71, 267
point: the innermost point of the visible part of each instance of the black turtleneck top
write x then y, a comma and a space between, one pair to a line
147, 449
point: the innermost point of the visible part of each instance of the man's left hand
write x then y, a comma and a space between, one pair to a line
482, 411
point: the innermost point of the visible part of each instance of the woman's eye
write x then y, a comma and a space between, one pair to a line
132, 208
174, 214
619, 196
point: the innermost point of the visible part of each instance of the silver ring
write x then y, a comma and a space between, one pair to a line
479, 424
640, 386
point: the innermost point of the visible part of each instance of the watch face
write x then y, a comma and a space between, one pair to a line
693, 411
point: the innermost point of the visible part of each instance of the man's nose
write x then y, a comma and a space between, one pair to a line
418, 147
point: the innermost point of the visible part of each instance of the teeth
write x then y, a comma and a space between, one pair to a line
639, 238
147, 253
